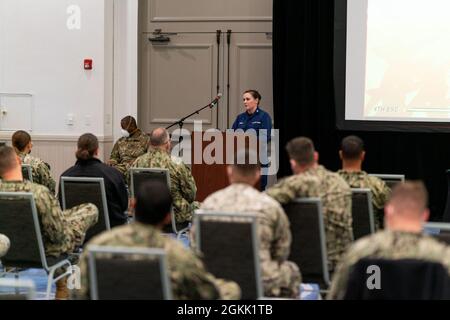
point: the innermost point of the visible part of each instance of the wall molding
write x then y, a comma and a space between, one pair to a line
6, 136
155, 17
59, 150
211, 19
165, 121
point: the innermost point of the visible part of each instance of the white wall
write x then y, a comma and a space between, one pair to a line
125, 61
39, 55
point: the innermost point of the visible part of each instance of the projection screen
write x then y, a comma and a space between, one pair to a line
392, 65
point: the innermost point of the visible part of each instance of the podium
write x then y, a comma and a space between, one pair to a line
208, 177
212, 177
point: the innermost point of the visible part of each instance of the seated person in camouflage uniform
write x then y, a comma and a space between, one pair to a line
310, 180
182, 183
189, 279
4, 245
133, 144
405, 213
62, 231
352, 155
21, 142
281, 278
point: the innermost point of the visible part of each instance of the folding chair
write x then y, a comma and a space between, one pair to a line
363, 220
397, 279
230, 247
20, 223
140, 175
439, 230
390, 179
76, 191
308, 248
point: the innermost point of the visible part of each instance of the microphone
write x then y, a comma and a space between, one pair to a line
216, 100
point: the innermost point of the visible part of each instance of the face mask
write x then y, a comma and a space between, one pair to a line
125, 133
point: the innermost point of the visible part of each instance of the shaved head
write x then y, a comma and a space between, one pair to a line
159, 137
409, 198
8, 160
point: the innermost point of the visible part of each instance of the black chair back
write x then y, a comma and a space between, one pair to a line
406, 279
362, 213
128, 274
140, 175
308, 248
19, 222
229, 244
77, 191
391, 180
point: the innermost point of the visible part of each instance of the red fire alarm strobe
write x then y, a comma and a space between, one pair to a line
87, 64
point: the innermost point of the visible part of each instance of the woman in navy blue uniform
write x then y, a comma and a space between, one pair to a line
254, 118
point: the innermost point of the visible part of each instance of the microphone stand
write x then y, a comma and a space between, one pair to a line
180, 123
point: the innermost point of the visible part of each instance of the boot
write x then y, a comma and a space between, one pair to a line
62, 292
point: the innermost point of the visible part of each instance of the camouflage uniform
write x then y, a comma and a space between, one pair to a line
189, 279
126, 150
380, 191
40, 171
182, 183
392, 245
280, 277
4, 245
62, 231
336, 199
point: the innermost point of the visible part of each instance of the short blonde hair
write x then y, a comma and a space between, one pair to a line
409, 197
7, 159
